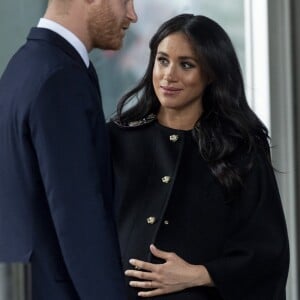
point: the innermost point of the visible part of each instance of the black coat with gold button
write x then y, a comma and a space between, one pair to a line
168, 196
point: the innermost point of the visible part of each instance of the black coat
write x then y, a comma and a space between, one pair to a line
169, 197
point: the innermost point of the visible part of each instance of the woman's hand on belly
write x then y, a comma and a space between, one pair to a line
172, 276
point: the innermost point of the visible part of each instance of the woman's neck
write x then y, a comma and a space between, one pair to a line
177, 120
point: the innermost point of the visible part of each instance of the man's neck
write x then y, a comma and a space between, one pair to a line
69, 14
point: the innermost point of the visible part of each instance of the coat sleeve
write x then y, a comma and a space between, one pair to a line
63, 128
255, 258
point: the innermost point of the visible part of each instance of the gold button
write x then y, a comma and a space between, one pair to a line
166, 222
174, 138
151, 220
166, 179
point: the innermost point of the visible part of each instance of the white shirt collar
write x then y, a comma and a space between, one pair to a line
68, 36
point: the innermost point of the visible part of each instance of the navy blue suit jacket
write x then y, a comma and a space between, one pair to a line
55, 178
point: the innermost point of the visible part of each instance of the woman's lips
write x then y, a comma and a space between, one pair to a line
170, 90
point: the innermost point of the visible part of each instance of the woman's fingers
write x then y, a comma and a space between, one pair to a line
159, 253
142, 265
145, 284
140, 274
152, 293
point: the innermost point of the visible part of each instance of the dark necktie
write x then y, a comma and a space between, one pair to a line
94, 77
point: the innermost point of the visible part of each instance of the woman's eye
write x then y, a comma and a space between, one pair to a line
162, 60
187, 65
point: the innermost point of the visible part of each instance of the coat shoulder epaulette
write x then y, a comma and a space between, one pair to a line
146, 120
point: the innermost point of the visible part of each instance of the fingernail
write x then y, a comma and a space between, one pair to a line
131, 261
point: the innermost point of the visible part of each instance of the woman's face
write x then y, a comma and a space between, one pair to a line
177, 78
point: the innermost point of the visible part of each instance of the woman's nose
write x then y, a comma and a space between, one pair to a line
170, 74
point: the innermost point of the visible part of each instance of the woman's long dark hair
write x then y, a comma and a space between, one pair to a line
227, 124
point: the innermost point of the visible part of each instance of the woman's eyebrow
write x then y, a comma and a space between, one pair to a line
183, 57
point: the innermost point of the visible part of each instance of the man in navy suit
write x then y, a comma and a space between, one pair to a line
55, 177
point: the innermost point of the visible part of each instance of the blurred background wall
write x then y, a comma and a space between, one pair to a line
266, 35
